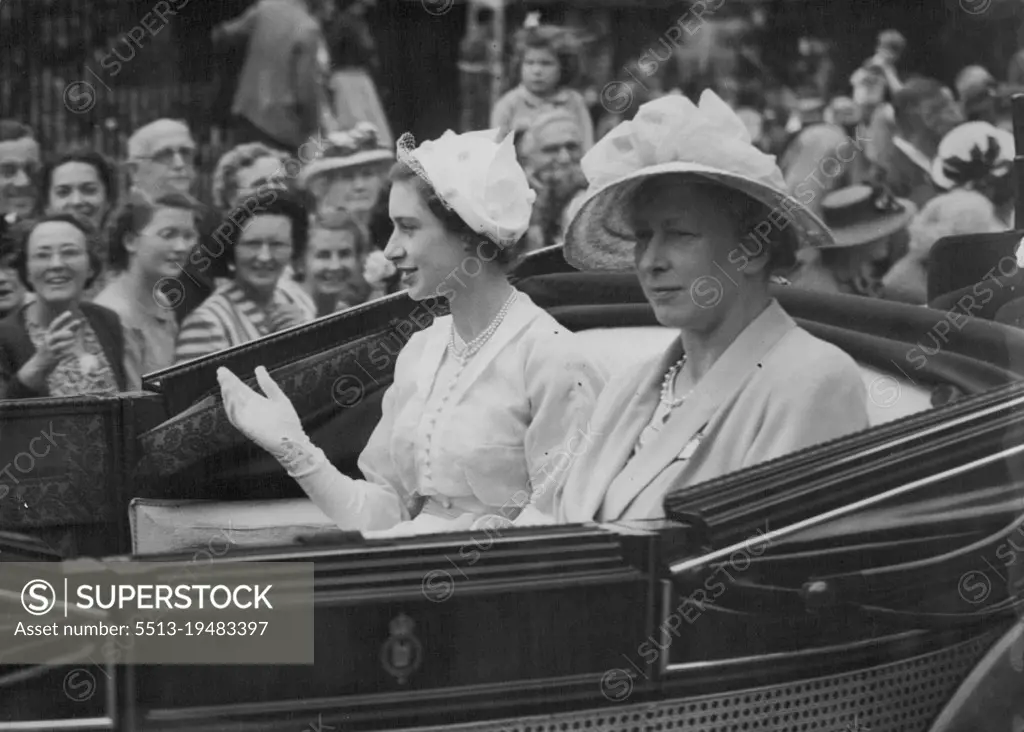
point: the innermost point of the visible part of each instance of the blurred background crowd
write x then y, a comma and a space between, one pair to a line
177, 178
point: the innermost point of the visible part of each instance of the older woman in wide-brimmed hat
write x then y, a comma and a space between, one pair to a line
681, 196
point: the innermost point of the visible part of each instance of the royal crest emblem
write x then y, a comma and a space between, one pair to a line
402, 652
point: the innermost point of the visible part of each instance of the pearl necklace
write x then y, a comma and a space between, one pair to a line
471, 348
668, 385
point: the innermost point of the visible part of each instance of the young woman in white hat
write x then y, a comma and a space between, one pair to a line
681, 196
484, 401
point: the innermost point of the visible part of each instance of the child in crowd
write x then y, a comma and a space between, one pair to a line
547, 65
888, 52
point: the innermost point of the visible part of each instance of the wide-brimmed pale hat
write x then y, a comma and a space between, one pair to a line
971, 153
671, 135
861, 214
477, 177
352, 148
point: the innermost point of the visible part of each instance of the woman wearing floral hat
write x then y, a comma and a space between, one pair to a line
680, 196
350, 175
484, 401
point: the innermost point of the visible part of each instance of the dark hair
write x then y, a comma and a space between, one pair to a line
281, 203
12, 129
749, 216
549, 38
87, 156
22, 231
488, 250
133, 216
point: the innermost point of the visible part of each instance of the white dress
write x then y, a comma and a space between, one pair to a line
486, 438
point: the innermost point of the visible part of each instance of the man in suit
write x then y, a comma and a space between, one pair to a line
925, 111
743, 383
282, 98
162, 161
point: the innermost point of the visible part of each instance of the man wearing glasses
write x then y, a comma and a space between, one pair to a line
162, 160
19, 168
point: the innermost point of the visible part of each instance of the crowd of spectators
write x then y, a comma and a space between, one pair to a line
99, 286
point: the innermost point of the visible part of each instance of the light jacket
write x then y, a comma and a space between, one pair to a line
775, 390
501, 440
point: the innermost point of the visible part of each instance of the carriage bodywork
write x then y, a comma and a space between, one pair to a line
895, 613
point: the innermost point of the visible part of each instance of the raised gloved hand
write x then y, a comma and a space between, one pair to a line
270, 421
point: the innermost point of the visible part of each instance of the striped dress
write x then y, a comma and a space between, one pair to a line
228, 318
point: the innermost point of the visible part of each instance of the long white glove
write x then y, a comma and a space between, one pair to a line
272, 423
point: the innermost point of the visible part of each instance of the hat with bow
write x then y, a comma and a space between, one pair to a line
673, 136
972, 153
478, 178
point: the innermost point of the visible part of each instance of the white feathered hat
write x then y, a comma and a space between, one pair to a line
478, 178
671, 135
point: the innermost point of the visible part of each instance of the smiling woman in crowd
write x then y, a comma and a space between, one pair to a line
58, 345
678, 194
82, 182
331, 272
149, 241
483, 401
262, 242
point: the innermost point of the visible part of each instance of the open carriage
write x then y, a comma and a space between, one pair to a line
869, 583
863, 584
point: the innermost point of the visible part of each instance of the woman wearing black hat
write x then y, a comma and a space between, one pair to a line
863, 221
